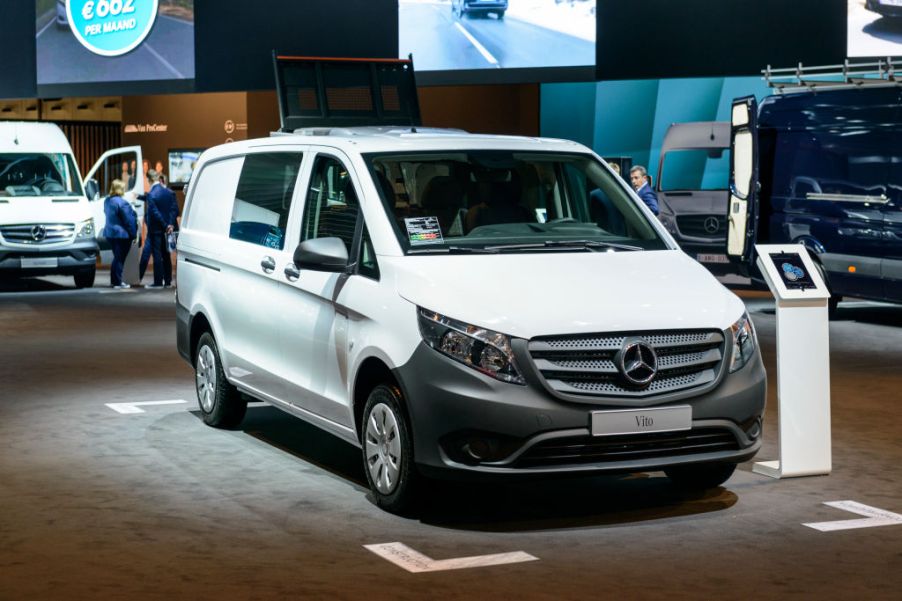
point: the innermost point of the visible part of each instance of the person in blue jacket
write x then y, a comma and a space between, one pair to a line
639, 179
161, 212
120, 229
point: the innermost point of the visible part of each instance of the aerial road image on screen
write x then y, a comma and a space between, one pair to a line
447, 35
91, 41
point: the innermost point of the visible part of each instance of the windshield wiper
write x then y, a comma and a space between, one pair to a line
577, 244
451, 250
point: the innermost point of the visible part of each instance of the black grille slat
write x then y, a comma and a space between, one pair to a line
585, 364
588, 449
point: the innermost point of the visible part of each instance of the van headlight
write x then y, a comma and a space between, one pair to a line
744, 342
483, 350
85, 229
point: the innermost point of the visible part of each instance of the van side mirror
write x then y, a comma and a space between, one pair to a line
92, 189
322, 254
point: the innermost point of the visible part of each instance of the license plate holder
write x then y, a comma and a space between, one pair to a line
40, 263
640, 421
712, 258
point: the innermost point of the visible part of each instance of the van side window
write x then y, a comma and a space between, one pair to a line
332, 206
367, 265
263, 198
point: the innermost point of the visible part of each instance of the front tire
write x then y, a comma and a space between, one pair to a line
388, 450
85, 279
700, 477
221, 405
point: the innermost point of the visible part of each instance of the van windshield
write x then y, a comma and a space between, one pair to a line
38, 174
695, 169
507, 201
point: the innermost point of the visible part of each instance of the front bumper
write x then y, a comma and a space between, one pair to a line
486, 5
522, 428
77, 257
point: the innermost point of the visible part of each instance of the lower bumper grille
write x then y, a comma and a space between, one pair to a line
581, 450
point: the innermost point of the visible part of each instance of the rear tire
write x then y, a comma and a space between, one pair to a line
221, 405
388, 450
85, 279
700, 477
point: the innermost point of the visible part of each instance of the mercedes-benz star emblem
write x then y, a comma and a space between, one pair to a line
638, 362
712, 224
38, 233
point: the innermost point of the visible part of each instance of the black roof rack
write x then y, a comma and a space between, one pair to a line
345, 92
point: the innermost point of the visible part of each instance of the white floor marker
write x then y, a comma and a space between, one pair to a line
133, 408
874, 517
403, 556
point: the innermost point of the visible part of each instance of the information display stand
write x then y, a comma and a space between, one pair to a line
803, 362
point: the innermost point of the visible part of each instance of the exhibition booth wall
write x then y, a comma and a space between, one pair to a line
631, 118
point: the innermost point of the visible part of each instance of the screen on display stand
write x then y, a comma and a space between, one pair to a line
491, 40
181, 165
115, 46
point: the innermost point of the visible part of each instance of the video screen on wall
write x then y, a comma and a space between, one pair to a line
101, 41
875, 28
458, 35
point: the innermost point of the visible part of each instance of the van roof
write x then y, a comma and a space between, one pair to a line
32, 136
851, 108
398, 139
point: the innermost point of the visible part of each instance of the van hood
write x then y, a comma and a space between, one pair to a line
527, 295
31, 209
695, 202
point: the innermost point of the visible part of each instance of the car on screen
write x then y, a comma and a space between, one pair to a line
62, 18
479, 7
885, 8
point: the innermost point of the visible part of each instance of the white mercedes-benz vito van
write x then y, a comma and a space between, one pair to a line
460, 305
47, 224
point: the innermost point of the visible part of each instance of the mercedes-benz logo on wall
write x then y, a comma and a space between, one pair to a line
712, 225
38, 233
637, 362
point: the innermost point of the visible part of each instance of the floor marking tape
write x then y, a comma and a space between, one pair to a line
874, 517
135, 407
482, 49
413, 561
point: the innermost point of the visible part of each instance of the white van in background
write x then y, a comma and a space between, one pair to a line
48, 225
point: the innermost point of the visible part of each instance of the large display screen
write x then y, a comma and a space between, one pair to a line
467, 35
182, 163
875, 28
93, 42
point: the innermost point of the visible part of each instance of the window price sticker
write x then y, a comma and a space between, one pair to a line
423, 230
111, 27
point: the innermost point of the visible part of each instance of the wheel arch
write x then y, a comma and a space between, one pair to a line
372, 371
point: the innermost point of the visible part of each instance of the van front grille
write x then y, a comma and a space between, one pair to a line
37, 234
713, 227
588, 364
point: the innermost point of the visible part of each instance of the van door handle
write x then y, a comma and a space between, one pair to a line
268, 264
292, 273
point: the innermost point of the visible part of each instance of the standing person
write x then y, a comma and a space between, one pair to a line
639, 179
160, 213
121, 228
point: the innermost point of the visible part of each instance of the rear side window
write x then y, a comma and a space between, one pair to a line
212, 190
263, 198
332, 206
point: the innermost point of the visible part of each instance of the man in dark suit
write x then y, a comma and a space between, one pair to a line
639, 179
161, 212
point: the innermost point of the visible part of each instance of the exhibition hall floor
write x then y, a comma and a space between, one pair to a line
146, 502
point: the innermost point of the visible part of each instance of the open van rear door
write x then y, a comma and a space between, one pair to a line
120, 163
742, 217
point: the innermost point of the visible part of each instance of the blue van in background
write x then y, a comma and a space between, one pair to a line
825, 168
